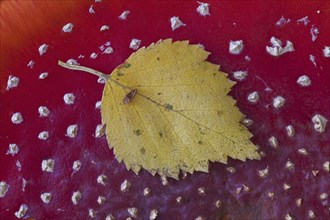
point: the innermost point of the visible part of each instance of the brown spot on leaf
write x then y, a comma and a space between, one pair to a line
137, 132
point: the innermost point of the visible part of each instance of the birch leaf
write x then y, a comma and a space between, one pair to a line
166, 109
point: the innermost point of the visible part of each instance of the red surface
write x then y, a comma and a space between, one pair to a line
250, 21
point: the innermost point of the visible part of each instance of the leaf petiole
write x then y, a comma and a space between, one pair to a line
91, 71
84, 69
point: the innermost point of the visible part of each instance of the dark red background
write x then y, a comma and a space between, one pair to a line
250, 21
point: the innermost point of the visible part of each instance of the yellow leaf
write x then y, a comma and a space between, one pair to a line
166, 109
